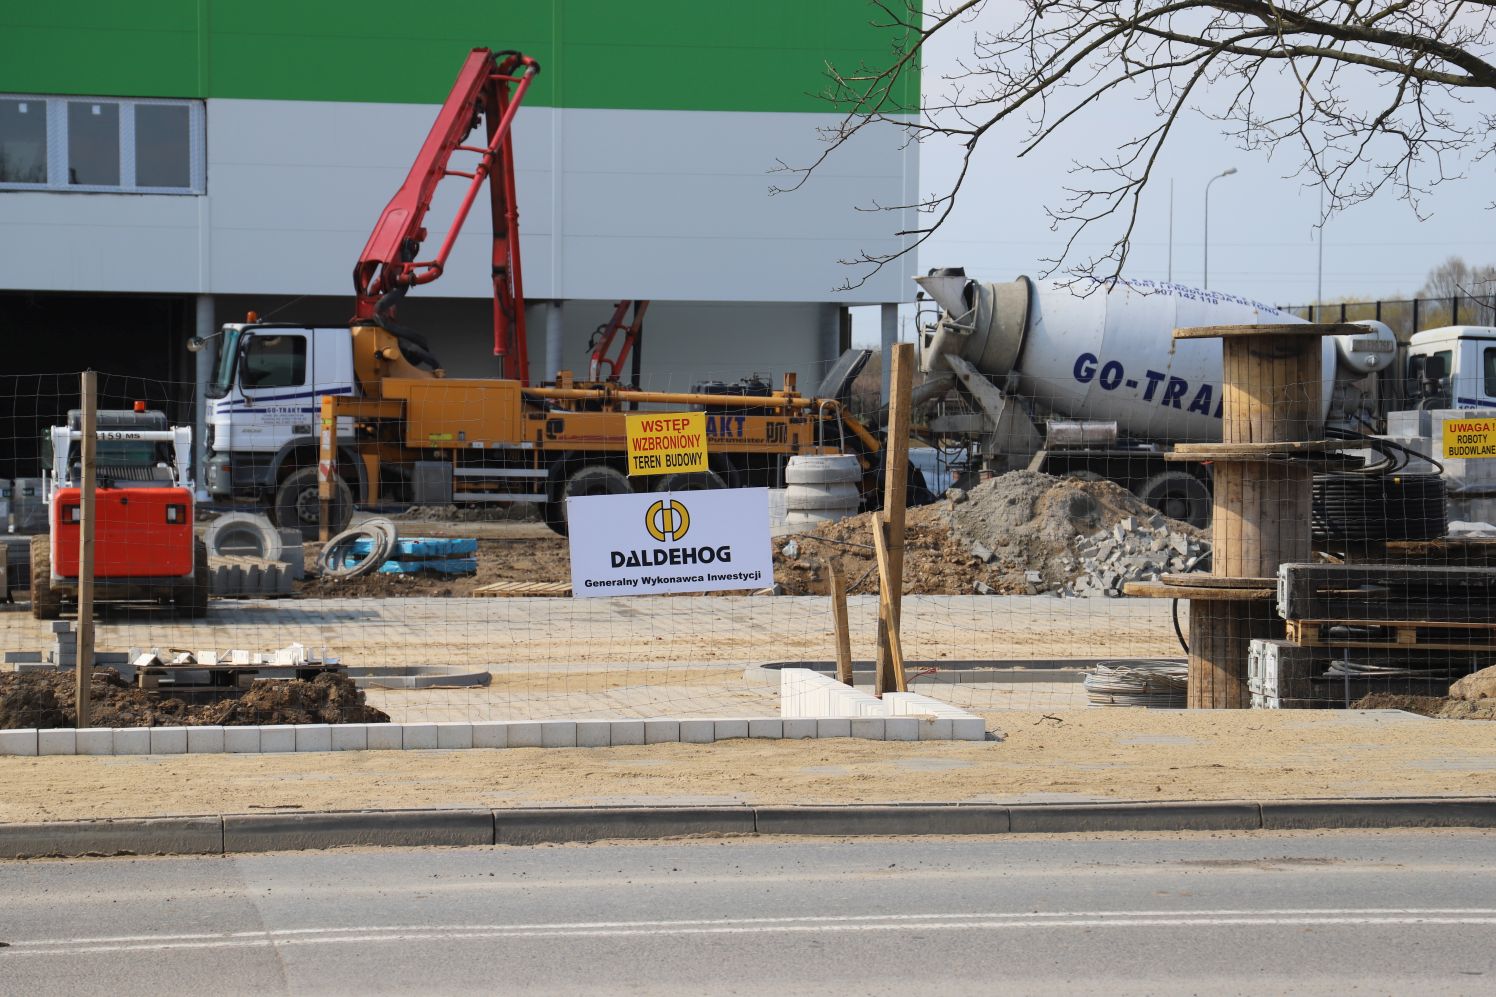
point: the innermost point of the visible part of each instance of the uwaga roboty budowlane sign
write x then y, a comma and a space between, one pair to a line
667, 442
659, 542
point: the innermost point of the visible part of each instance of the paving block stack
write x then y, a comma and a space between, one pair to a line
258, 578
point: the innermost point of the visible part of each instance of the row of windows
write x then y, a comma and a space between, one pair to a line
94, 144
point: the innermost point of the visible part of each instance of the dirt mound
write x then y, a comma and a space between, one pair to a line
935, 563
45, 698
515, 512
1020, 533
1440, 707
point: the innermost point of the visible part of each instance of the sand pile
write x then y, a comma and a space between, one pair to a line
1471, 698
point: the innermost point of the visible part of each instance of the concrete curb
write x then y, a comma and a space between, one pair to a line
529, 827
390, 828
237, 833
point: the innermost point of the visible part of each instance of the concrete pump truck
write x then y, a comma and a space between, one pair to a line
404, 432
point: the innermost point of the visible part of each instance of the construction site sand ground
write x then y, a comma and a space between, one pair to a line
1071, 755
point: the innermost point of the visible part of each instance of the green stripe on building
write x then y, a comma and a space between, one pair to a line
767, 55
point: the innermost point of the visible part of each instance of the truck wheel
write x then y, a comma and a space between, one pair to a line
192, 599
297, 506
594, 479
1178, 495
698, 481
46, 602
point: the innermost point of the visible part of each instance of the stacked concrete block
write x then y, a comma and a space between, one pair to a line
1280, 675
246, 577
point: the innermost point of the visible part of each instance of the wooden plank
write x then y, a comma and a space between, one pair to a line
840, 625
523, 588
1314, 329
1404, 635
889, 671
888, 626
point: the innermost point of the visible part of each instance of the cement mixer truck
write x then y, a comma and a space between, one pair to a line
1093, 384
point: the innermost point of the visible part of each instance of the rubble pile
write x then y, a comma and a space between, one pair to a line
1023, 533
1132, 551
1068, 536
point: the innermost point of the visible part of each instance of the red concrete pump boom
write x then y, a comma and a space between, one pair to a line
491, 85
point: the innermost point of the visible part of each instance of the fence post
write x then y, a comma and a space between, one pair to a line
326, 464
889, 671
86, 515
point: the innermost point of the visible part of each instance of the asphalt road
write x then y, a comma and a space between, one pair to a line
1333, 912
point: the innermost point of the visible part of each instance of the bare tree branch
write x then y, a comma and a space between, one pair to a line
1381, 99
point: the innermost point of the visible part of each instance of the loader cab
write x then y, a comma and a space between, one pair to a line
1452, 367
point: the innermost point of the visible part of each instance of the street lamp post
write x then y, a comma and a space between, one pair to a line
1205, 281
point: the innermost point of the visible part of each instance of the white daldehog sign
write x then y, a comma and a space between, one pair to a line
655, 542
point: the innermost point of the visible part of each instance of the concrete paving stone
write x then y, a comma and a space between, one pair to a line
132, 740
934, 728
526, 734
797, 728
57, 741
419, 736
968, 729
168, 740
94, 741
1068, 817
490, 734
626, 731
385, 737
869, 728
313, 737
901, 728
398, 828
241, 740
454, 734
204, 740
529, 827
558, 734
892, 819
661, 731
350, 737
594, 733
698, 731
833, 727
277, 738
120, 836
766, 727
727, 730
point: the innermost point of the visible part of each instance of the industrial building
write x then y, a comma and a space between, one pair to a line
168, 167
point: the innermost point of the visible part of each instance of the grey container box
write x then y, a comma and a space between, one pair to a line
431, 482
28, 507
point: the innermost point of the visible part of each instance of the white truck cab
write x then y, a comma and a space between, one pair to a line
1454, 367
263, 404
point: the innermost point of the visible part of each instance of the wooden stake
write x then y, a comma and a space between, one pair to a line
87, 514
887, 610
326, 462
839, 622
895, 481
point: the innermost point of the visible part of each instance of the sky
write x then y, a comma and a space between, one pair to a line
1262, 241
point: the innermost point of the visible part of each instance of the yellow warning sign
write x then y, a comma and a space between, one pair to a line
667, 443
1468, 439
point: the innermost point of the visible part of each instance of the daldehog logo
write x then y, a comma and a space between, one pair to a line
668, 521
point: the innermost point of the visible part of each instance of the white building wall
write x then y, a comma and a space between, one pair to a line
672, 206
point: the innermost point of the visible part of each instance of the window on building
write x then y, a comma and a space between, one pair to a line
273, 362
94, 144
1489, 362
23, 141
